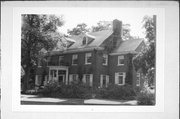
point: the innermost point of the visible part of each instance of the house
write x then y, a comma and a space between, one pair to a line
96, 58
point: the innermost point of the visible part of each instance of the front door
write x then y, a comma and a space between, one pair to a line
61, 79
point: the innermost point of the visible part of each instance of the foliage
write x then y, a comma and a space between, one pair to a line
125, 92
129, 77
79, 29
36, 33
145, 59
105, 25
101, 25
74, 90
50, 89
146, 98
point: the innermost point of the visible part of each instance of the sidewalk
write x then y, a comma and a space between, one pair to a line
35, 100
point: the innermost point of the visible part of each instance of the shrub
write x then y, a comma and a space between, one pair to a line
50, 89
125, 92
74, 90
146, 98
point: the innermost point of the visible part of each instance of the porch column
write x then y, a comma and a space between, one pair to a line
49, 77
67, 76
57, 75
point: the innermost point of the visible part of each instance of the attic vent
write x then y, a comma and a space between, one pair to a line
84, 41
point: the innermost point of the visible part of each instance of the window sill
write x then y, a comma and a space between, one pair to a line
120, 84
120, 65
104, 64
88, 64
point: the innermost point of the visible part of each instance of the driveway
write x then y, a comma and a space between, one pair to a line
35, 100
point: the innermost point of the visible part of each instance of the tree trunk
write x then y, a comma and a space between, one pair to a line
26, 79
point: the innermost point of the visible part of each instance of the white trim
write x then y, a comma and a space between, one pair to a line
101, 80
74, 57
124, 52
71, 78
91, 79
86, 58
62, 58
75, 50
117, 74
59, 68
120, 57
106, 61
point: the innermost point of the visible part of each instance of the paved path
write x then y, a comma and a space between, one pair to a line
33, 99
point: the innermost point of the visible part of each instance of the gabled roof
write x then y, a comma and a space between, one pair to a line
99, 37
128, 46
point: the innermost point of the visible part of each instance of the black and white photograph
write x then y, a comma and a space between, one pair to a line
102, 58
89, 59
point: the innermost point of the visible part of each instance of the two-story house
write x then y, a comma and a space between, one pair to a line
96, 58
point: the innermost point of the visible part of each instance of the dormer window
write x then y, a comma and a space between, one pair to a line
84, 41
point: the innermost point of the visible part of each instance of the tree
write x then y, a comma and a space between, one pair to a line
145, 59
36, 33
106, 25
79, 29
101, 25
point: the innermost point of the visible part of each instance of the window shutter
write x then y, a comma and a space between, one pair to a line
116, 78
101, 80
124, 77
70, 79
91, 80
107, 80
84, 79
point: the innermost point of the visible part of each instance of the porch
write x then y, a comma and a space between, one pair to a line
58, 74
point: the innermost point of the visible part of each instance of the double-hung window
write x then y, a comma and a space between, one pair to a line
88, 79
120, 60
138, 79
61, 60
74, 59
88, 58
104, 81
105, 59
73, 77
120, 78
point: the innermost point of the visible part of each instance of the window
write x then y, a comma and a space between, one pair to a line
75, 59
88, 79
104, 81
61, 60
73, 77
84, 41
120, 60
38, 80
105, 59
120, 78
138, 79
88, 58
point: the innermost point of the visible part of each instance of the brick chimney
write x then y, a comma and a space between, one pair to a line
117, 32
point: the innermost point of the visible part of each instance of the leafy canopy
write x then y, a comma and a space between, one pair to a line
145, 60
79, 29
37, 32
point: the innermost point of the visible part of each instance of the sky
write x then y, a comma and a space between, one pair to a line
91, 16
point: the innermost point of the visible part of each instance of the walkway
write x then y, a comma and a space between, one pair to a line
35, 100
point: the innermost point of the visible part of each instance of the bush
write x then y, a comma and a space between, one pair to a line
145, 98
50, 89
125, 92
75, 90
